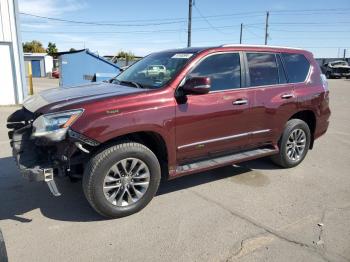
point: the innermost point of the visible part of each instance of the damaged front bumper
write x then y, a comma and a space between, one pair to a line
41, 159
27, 159
42, 174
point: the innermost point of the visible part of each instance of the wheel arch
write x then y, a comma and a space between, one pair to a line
151, 139
309, 117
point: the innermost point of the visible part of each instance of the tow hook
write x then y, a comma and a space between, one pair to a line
48, 178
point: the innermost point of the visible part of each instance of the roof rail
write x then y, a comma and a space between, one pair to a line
268, 46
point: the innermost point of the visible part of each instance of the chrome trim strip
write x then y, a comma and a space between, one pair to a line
224, 138
260, 131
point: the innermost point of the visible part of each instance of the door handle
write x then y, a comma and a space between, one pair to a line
287, 96
240, 102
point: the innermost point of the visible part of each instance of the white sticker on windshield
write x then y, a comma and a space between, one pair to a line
183, 55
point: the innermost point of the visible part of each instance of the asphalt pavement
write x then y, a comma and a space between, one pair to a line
251, 212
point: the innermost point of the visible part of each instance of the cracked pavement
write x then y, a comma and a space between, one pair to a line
250, 212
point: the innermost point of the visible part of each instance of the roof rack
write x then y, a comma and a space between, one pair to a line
268, 46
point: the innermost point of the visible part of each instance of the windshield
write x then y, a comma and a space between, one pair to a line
155, 70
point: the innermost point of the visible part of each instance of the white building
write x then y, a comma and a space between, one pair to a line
12, 78
41, 63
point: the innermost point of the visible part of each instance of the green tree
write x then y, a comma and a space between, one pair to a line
33, 47
72, 49
51, 48
126, 55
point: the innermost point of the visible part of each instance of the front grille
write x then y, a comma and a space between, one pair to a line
341, 70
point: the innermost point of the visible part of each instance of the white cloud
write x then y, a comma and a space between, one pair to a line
50, 8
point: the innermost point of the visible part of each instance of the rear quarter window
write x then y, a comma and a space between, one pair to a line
297, 67
262, 69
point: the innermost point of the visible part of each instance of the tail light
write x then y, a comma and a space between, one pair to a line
324, 83
325, 87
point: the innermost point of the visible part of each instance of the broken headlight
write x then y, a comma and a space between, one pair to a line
55, 125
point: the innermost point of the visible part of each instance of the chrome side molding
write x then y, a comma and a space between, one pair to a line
224, 138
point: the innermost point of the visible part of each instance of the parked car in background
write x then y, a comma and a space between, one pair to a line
213, 107
155, 71
336, 69
55, 73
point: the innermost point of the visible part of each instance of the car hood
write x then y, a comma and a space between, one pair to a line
65, 96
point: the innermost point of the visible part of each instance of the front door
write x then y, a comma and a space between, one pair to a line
217, 122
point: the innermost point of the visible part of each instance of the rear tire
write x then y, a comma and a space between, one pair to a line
294, 144
121, 179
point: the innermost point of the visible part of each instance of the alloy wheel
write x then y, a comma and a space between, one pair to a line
296, 144
126, 182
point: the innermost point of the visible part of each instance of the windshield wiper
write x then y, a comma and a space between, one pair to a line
137, 85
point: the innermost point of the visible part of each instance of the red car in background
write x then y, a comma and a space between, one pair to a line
56, 73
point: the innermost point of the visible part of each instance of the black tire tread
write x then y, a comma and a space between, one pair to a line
278, 159
94, 162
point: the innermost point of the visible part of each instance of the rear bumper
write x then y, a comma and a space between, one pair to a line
322, 129
322, 123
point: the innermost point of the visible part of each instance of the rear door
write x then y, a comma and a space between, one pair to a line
217, 122
274, 97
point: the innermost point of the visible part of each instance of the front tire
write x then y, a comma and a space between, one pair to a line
294, 144
121, 179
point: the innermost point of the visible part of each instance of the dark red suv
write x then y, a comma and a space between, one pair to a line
171, 114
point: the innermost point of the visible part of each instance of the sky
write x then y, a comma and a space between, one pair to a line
109, 26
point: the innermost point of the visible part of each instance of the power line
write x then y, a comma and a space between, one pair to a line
132, 32
98, 23
206, 20
311, 31
181, 20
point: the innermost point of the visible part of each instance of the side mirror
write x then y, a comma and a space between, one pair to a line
197, 85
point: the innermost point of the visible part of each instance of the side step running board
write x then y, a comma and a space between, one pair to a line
225, 160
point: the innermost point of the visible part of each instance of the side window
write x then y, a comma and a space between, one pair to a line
262, 69
281, 73
224, 71
297, 67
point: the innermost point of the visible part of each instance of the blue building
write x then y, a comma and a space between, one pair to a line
82, 66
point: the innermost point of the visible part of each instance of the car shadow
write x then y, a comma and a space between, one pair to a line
20, 198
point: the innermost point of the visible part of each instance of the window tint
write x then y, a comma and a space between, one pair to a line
281, 73
262, 69
297, 67
224, 71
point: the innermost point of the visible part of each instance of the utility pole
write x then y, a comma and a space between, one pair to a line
267, 26
189, 32
240, 36
344, 56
